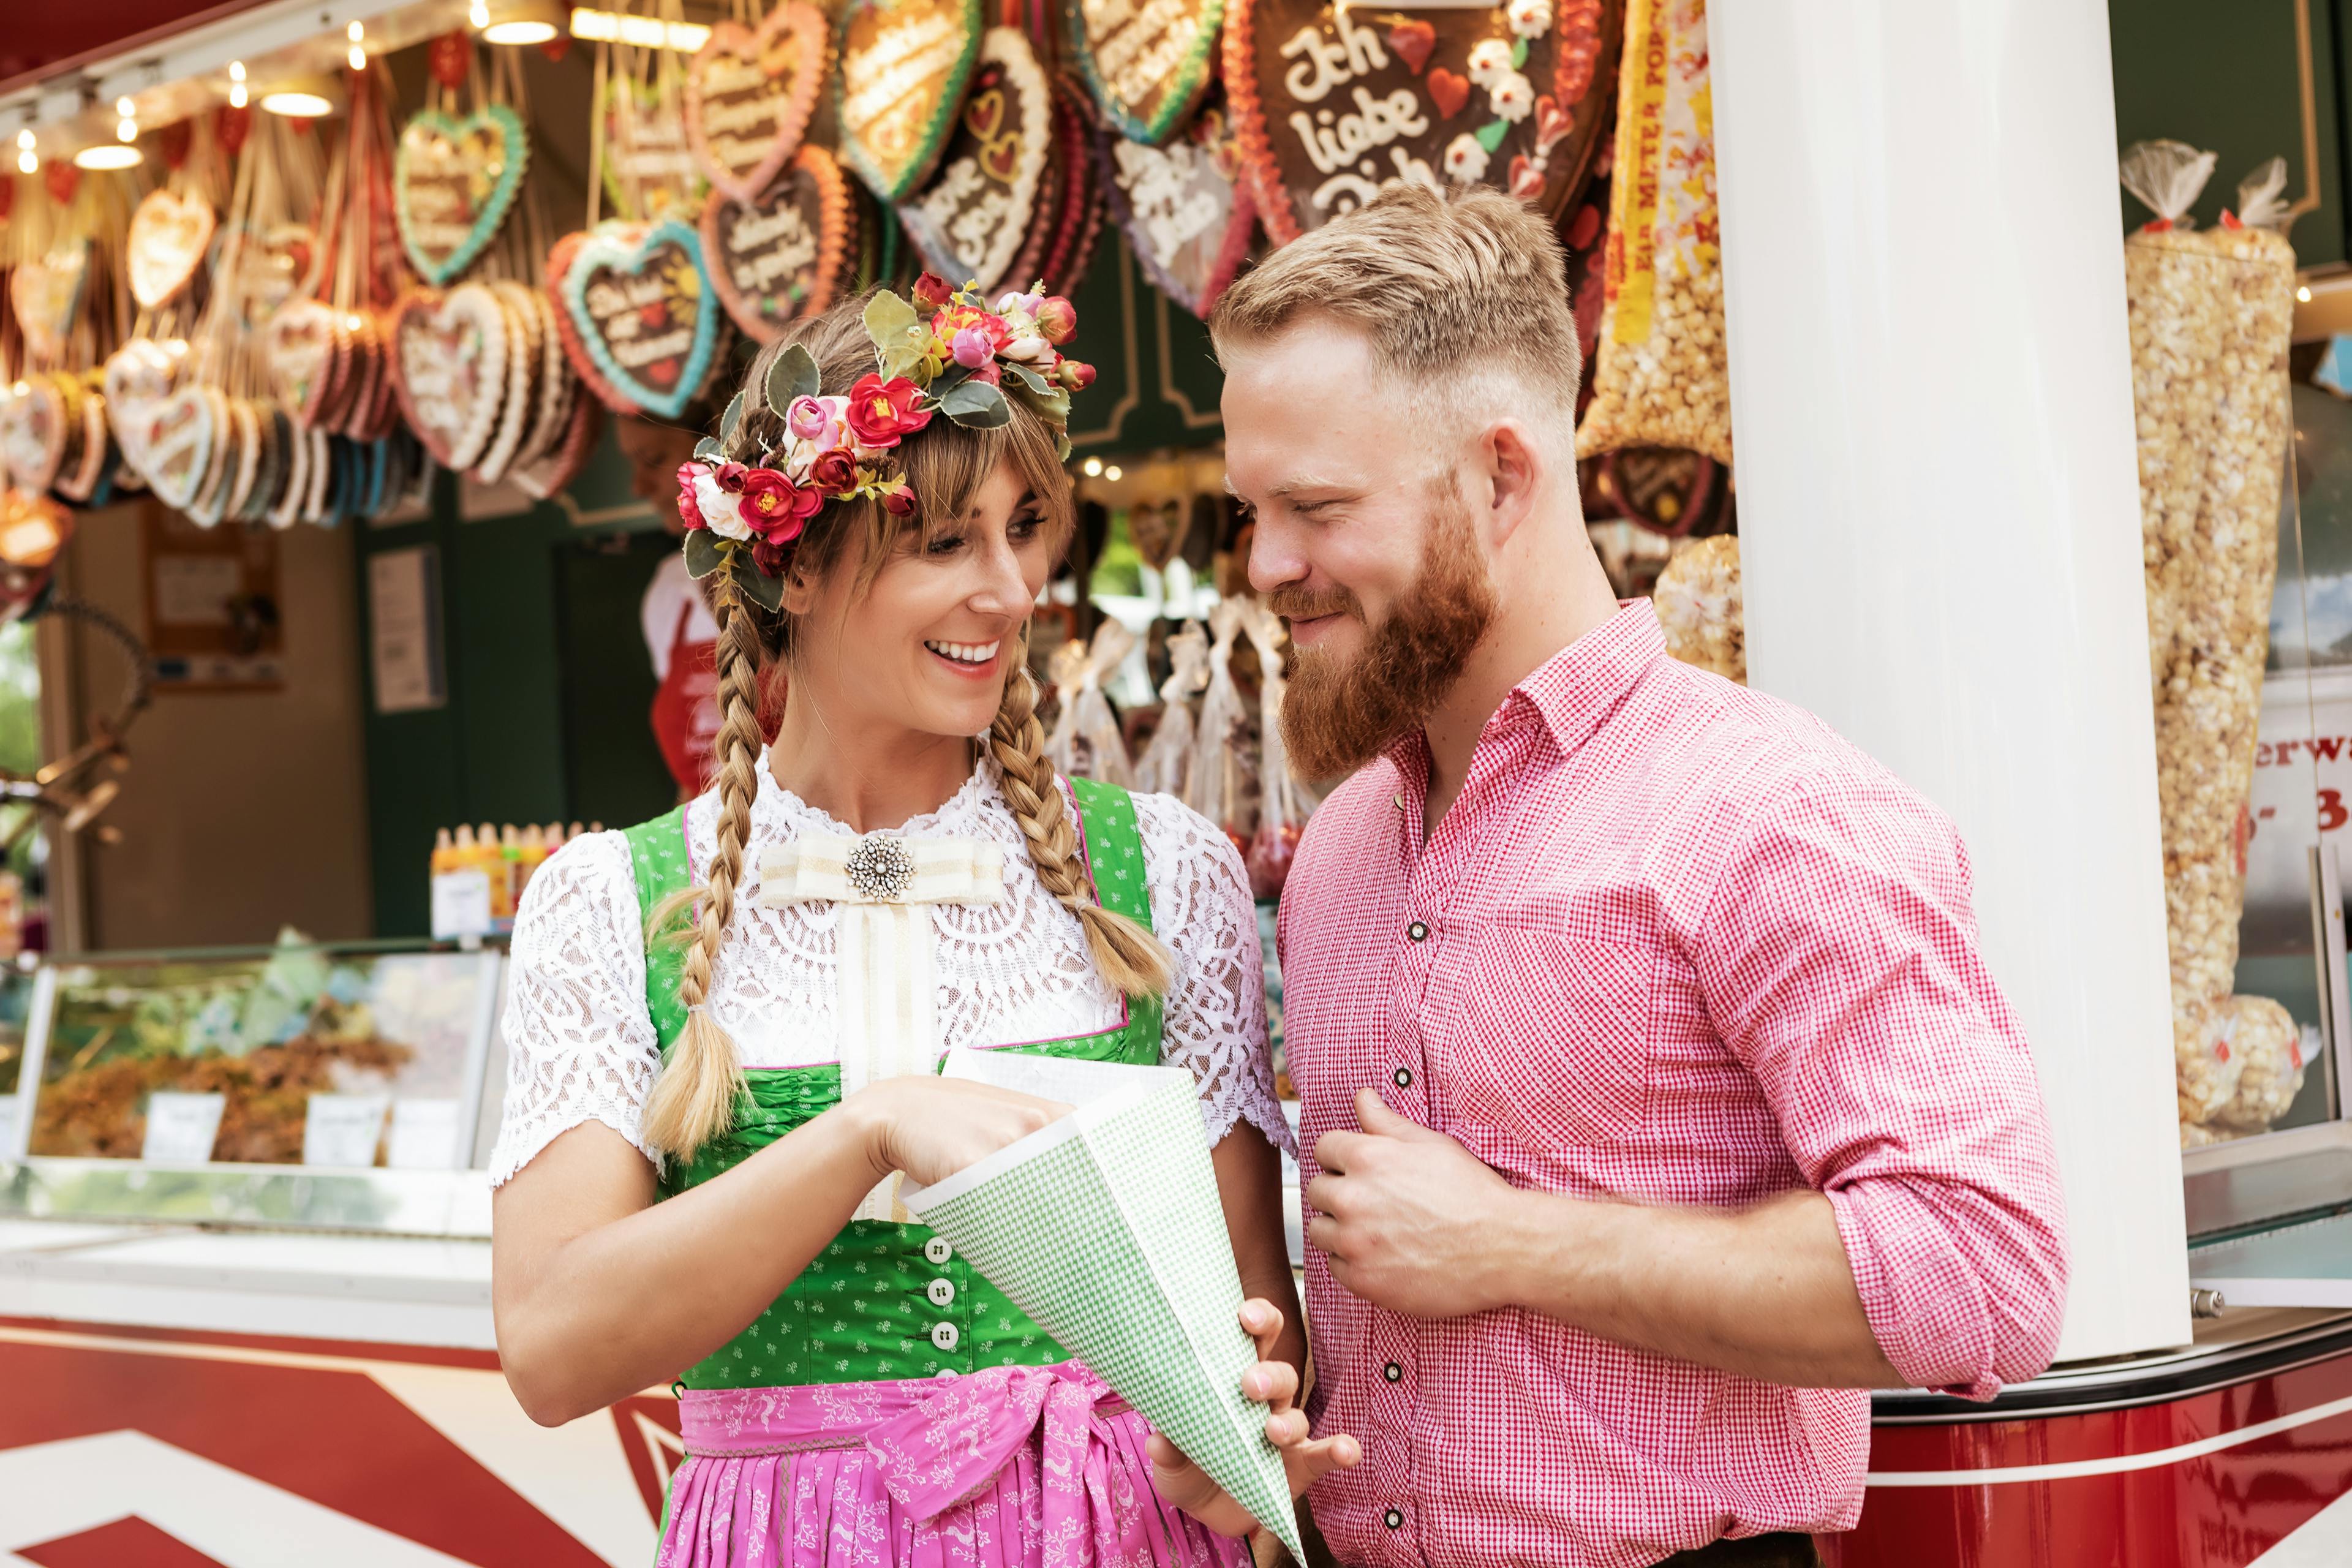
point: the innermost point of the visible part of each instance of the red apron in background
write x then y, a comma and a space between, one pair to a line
686, 708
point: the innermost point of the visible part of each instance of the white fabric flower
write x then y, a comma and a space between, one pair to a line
722, 513
1465, 160
1026, 351
1530, 19
1512, 97
1490, 61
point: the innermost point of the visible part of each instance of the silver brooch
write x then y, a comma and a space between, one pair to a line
880, 868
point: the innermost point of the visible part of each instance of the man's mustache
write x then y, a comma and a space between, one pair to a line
1303, 604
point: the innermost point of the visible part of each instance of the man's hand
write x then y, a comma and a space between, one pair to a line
1274, 1385
1396, 1209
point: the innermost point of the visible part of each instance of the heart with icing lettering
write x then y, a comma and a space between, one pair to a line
970, 221
638, 318
139, 376
1146, 62
777, 257
178, 436
299, 347
1330, 106
748, 97
449, 367
903, 65
166, 243
1187, 218
47, 296
454, 180
272, 263
33, 431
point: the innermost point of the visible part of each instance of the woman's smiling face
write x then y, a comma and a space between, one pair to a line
927, 644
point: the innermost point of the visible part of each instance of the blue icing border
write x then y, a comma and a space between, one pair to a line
494, 212
604, 246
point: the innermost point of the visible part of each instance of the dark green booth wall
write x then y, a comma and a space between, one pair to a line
545, 671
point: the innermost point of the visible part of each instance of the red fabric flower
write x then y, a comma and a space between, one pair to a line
833, 472
933, 292
948, 323
767, 496
689, 510
990, 375
1078, 373
770, 558
1057, 318
899, 499
882, 411
730, 477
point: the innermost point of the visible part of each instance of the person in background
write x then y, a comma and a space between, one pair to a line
681, 637
1659, 1099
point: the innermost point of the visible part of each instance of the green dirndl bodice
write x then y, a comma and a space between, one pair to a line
882, 1300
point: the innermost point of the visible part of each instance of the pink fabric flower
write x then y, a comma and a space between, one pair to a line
971, 348
689, 510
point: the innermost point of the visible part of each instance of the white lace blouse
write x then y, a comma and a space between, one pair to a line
580, 1047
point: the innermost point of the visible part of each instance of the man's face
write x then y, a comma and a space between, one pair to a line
1364, 542
654, 452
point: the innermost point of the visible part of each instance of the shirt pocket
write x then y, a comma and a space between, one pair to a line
1554, 1037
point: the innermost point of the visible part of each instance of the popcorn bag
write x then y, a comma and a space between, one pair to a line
1086, 742
1699, 607
1660, 379
1282, 815
2210, 312
1220, 780
1167, 755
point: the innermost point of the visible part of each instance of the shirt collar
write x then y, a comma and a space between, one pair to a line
1572, 692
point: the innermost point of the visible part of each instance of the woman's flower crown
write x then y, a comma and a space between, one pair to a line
946, 353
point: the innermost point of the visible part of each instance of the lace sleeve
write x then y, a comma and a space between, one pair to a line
580, 1045
1215, 1022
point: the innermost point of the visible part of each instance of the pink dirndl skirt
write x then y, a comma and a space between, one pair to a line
1034, 1467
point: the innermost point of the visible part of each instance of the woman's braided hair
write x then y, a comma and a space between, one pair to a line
694, 1096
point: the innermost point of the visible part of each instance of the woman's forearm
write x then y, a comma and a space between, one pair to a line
1249, 1186
625, 1303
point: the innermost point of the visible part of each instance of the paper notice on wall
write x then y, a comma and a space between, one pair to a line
424, 1135
405, 630
343, 1128
181, 1127
196, 590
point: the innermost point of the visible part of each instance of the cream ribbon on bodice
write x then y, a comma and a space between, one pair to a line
886, 1005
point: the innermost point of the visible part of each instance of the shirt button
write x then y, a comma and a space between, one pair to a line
1401, 1078
936, 1250
944, 1336
1417, 930
1392, 1371
1393, 1518
941, 1291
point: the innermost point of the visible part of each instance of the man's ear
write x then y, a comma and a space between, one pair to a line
1515, 473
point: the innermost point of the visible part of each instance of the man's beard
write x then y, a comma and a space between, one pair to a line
1340, 714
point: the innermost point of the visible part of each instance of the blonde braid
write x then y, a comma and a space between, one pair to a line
693, 1100
1128, 955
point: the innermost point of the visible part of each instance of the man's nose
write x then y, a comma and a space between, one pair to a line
1276, 558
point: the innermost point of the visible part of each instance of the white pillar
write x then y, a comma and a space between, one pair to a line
1939, 518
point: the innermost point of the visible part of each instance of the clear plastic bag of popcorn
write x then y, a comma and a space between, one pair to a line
1220, 781
1660, 378
2239, 1063
2209, 316
1282, 815
1086, 742
1167, 755
1698, 605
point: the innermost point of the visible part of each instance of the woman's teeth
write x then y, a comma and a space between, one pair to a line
964, 652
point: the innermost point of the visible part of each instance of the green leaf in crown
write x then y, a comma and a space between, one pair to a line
454, 180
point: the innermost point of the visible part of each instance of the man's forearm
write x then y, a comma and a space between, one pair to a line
1765, 1292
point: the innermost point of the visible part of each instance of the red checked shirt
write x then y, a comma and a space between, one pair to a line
1677, 942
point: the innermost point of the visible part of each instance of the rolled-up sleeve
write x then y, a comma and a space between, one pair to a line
1839, 959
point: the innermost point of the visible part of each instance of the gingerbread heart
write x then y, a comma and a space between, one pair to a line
46, 295
638, 317
139, 376
454, 180
970, 220
748, 97
1187, 219
562, 465
777, 257
903, 64
33, 432
299, 347
272, 266
1413, 42
449, 360
649, 170
1148, 65
1330, 106
180, 436
166, 243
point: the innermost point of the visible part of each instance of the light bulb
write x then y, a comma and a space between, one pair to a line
126, 131
359, 56
25, 139
480, 15
355, 32
1114, 473
236, 70
1093, 466
2303, 292
124, 109
29, 162
237, 95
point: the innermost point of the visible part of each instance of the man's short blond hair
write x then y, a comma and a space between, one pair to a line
1452, 292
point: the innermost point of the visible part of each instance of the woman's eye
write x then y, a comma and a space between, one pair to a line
946, 544
1025, 526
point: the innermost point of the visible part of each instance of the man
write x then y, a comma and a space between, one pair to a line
1659, 1100
681, 637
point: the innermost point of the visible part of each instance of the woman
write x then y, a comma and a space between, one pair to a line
703, 1129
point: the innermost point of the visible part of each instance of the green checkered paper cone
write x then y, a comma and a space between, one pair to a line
1106, 1229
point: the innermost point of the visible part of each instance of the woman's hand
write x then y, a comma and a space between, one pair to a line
930, 1128
1273, 1383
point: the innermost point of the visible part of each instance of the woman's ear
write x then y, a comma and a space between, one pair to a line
800, 590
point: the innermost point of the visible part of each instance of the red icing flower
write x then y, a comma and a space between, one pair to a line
689, 510
882, 411
833, 472
933, 292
